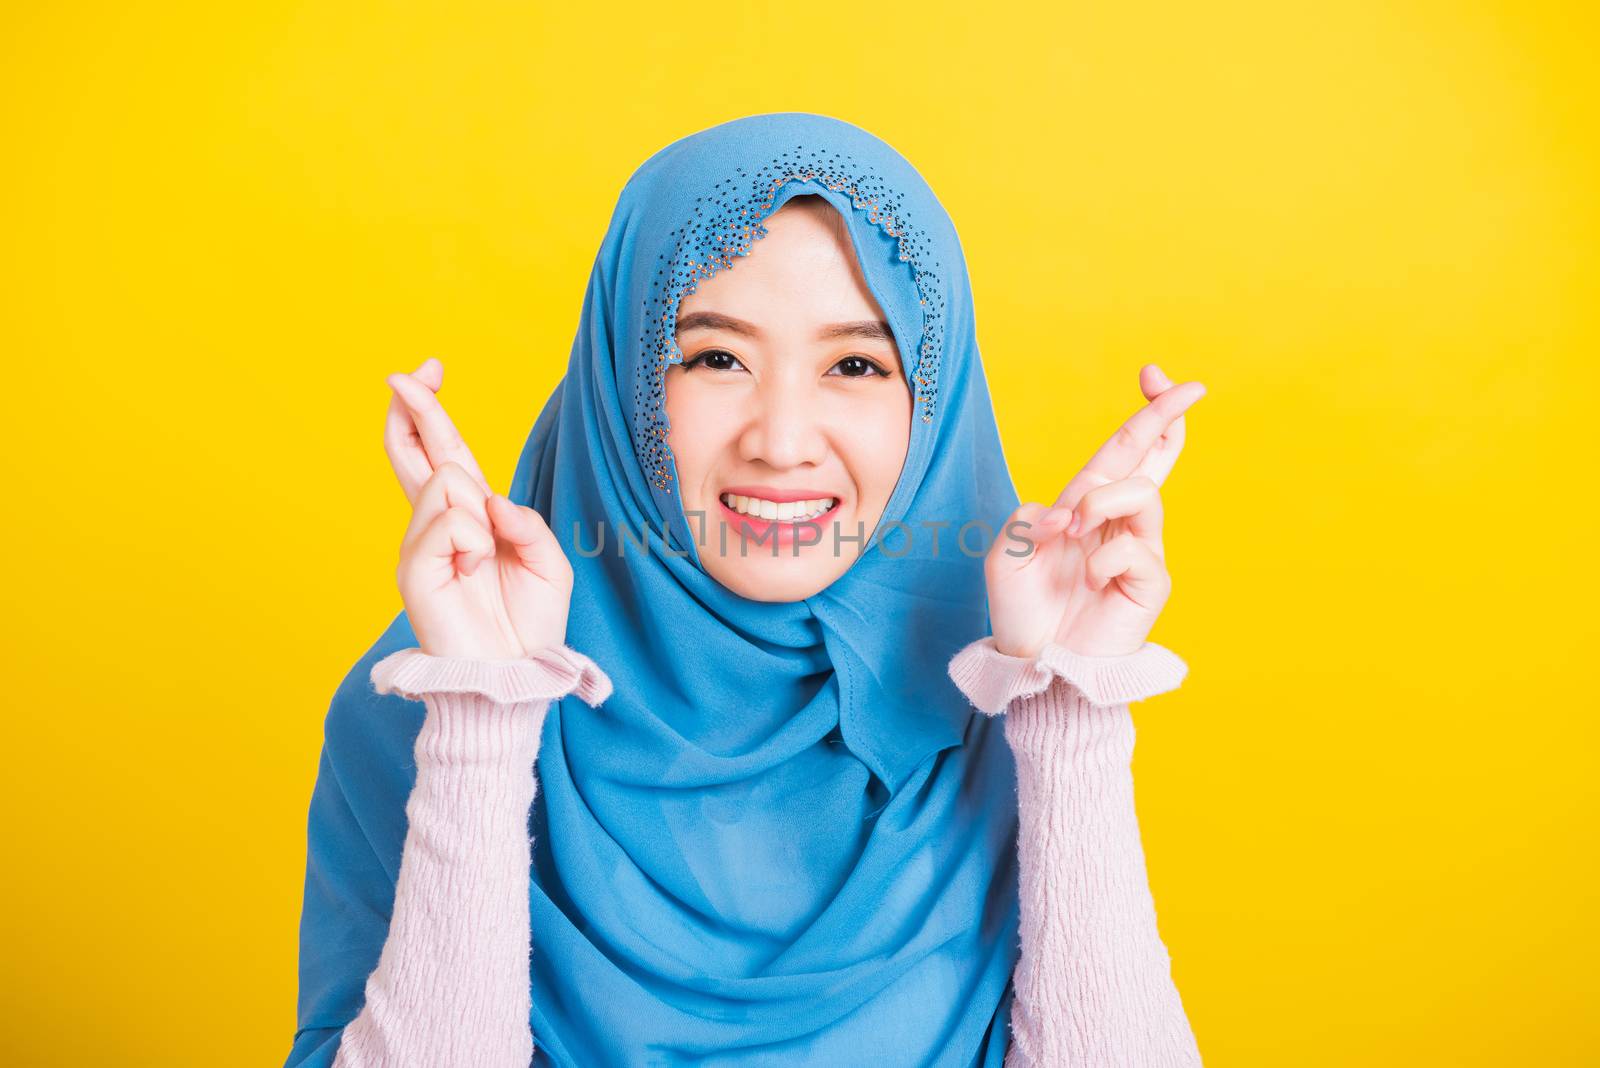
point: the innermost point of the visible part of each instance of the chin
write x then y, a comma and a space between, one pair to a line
767, 579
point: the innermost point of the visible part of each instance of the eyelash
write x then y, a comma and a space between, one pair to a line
874, 367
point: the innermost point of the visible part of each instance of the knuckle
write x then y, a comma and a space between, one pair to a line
462, 517
1098, 493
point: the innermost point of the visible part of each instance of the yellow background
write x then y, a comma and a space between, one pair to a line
1369, 228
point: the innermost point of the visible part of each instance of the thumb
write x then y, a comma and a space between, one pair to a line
1015, 547
535, 544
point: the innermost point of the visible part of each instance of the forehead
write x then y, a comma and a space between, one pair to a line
804, 271
798, 236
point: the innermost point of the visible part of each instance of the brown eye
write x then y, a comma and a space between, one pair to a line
857, 367
715, 360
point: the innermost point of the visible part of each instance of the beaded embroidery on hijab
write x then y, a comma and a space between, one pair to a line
785, 838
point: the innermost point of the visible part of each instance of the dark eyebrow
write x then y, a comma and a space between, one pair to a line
870, 329
707, 320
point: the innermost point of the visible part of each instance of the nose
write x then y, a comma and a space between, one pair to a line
784, 429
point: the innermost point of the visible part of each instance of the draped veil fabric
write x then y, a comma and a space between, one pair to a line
786, 838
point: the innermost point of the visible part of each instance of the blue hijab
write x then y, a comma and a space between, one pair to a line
786, 838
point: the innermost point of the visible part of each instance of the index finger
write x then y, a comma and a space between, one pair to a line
1122, 453
400, 438
441, 441
1159, 459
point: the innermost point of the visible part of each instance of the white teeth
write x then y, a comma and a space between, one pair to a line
785, 511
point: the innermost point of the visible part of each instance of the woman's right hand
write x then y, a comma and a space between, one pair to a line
480, 577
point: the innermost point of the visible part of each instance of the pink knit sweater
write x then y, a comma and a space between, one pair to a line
1093, 984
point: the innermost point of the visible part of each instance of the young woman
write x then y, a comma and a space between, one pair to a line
760, 559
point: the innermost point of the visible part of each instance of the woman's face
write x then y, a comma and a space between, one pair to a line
790, 414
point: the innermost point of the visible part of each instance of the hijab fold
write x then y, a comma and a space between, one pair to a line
786, 838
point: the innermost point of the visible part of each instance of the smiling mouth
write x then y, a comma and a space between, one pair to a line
758, 508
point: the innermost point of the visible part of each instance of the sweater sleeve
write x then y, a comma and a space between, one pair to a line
451, 987
1093, 983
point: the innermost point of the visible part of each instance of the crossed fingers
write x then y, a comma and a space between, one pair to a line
419, 435
1147, 444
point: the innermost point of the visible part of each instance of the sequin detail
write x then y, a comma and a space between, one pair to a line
727, 222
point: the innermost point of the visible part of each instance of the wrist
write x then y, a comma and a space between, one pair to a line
543, 674
1029, 650
992, 679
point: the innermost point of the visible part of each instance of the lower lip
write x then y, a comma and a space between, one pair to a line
788, 529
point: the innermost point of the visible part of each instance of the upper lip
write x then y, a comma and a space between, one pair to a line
779, 496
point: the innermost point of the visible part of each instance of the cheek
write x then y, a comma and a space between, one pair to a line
876, 438
700, 429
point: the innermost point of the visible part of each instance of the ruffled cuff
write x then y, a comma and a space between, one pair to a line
541, 676
991, 680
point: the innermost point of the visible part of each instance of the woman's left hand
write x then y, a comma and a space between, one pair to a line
1095, 587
